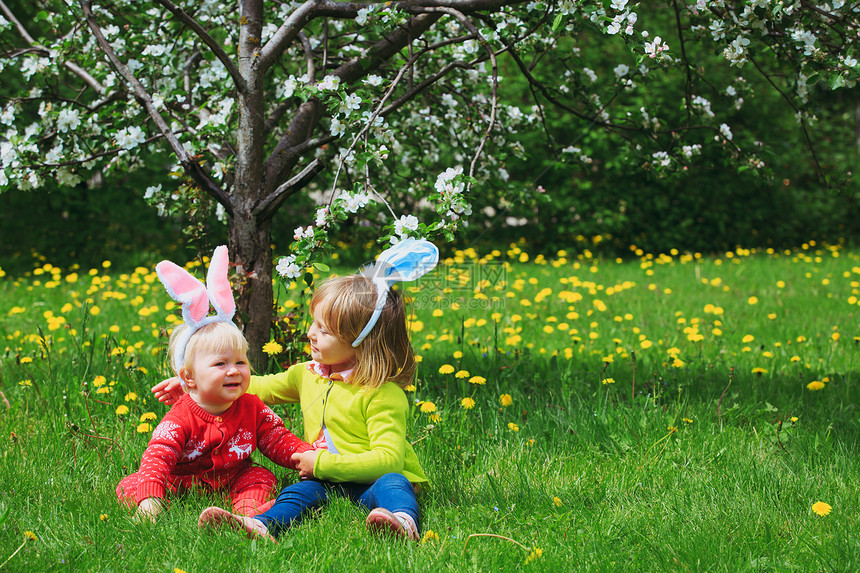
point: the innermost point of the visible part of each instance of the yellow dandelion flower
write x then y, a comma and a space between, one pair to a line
819, 507
272, 348
513, 427
748, 338
462, 374
410, 388
536, 553
103, 517
104, 390
815, 385
428, 407
131, 397
759, 370
467, 403
687, 420
438, 312
671, 429
606, 381
26, 360
446, 369
478, 380
556, 501
121, 410
795, 358
32, 536
99, 381
144, 428
458, 354
25, 383
752, 300
148, 417
794, 419
506, 400
430, 536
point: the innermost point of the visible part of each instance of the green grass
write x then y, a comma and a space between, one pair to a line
690, 460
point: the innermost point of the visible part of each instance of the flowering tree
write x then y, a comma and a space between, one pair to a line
393, 112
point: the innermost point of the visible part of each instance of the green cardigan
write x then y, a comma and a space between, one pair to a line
367, 427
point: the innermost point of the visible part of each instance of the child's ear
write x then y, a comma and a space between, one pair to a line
186, 376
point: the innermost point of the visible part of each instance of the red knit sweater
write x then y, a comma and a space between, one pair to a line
213, 448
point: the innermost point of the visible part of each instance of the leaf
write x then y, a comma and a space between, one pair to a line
836, 82
322, 267
557, 22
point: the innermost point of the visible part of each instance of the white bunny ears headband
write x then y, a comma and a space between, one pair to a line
195, 297
406, 261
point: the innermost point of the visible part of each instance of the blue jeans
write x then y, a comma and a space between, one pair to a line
391, 491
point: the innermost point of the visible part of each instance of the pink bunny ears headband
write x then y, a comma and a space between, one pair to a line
195, 297
406, 261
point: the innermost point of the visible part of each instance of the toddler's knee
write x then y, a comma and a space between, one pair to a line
395, 480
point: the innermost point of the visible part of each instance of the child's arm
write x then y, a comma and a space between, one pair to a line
280, 388
386, 431
169, 391
275, 441
158, 461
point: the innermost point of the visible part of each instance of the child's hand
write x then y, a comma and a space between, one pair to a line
305, 462
169, 391
148, 509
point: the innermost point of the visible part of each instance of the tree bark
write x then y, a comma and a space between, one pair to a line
251, 252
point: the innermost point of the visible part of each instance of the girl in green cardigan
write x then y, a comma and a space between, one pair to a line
353, 404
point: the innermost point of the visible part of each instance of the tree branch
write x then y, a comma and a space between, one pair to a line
194, 170
495, 67
288, 32
282, 158
267, 207
210, 42
71, 66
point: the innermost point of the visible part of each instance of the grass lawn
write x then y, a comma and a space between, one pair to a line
665, 412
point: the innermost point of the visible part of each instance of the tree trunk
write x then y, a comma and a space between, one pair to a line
251, 251
250, 237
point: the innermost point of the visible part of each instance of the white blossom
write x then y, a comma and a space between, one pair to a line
321, 216
361, 18
130, 137
404, 223
329, 83
288, 268
352, 202
303, 233
68, 120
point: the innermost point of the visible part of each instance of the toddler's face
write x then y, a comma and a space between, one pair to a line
217, 379
326, 348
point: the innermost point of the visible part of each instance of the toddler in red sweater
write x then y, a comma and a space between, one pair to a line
207, 438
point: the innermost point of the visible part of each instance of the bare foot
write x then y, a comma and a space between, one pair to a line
217, 517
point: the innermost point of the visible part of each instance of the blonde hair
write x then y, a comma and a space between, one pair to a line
345, 304
214, 337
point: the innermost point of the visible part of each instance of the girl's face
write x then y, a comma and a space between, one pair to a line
326, 348
217, 379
